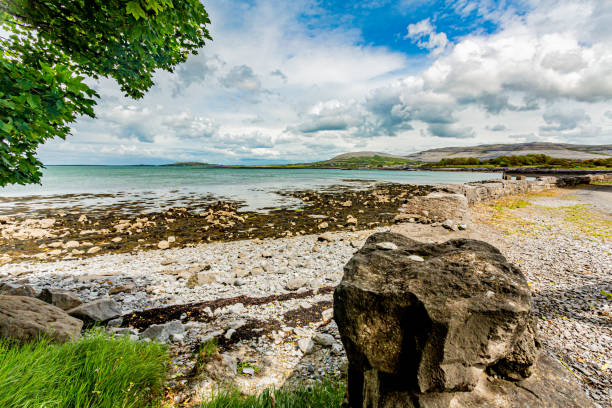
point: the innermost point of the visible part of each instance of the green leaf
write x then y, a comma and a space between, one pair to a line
135, 10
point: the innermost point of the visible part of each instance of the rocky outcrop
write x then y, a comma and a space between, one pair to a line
437, 206
436, 325
25, 318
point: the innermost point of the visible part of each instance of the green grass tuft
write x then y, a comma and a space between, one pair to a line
326, 394
95, 371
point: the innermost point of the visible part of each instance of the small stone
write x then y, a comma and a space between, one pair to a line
323, 225
295, 284
326, 340
266, 254
163, 245
230, 361
306, 345
93, 250
121, 289
387, 246
462, 227
327, 314
228, 334
116, 239
171, 239
115, 322
72, 244
248, 371
258, 270
416, 258
325, 237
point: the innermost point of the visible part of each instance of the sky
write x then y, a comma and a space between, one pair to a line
297, 81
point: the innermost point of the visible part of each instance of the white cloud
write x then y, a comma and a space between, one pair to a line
269, 84
425, 35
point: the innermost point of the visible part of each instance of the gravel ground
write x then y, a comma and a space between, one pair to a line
563, 247
563, 244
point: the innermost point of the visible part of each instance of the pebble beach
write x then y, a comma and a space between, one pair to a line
268, 301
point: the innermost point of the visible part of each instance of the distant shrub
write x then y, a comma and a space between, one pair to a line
541, 160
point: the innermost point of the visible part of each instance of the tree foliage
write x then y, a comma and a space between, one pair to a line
50, 47
540, 160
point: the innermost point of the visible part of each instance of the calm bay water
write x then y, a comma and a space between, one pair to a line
158, 185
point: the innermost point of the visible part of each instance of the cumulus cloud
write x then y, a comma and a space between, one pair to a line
451, 131
241, 77
279, 73
195, 70
425, 36
497, 128
543, 74
560, 119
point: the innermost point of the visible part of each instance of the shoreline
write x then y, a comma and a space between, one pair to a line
263, 297
266, 299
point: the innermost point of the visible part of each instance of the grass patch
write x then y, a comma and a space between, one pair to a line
205, 352
603, 183
510, 204
326, 394
95, 371
587, 221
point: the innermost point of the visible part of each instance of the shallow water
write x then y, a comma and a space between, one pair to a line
159, 187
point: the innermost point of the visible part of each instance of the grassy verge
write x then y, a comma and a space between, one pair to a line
326, 394
603, 183
96, 371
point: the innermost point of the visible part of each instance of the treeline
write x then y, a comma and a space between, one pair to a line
541, 160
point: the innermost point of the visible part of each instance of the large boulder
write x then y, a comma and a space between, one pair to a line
97, 311
423, 323
437, 206
24, 318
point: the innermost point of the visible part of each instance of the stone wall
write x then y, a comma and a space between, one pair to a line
495, 189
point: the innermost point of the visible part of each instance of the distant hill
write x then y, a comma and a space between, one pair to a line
190, 164
351, 155
490, 151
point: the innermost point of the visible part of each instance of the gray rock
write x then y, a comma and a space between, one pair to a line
450, 225
327, 314
11, 289
63, 299
230, 361
162, 332
295, 284
24, 318
115, 322
97, 311
248, 371
456, 328
326, 340
306, 345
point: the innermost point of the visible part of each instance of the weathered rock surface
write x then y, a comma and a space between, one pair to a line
97, 311
11, 289
437, 206
24, 318
430, 333
63, 299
